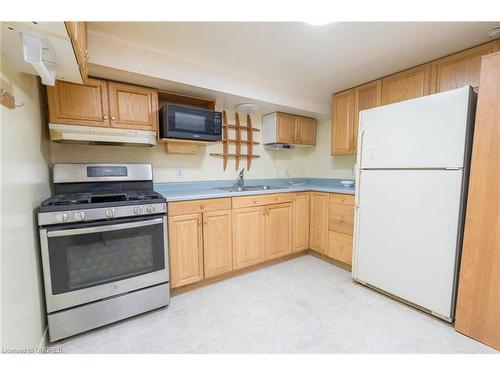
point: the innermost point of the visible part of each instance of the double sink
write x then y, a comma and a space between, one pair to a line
252, 188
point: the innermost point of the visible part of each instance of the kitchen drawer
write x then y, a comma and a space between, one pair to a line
340, 247
341, 218
202, 205
342, 198
261, 200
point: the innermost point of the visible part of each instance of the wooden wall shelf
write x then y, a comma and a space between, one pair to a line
243, 127
184, 146
237, 141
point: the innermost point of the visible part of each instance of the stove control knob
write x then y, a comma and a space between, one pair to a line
62, 216
110, 213
151, 209
79, 215
138, 210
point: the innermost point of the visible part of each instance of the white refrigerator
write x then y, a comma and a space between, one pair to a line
411, 189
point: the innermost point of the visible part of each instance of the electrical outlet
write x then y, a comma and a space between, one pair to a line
178, 173
285, 173
353, 171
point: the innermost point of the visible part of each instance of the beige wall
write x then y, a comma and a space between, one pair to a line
301, 162
24, 160
321, 164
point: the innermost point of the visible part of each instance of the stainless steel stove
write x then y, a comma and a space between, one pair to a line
104, 246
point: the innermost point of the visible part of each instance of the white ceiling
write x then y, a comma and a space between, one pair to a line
315, 60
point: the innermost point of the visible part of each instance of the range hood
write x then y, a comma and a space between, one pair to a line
93, 135
279, 146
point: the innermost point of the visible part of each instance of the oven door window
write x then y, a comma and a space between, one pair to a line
86, 257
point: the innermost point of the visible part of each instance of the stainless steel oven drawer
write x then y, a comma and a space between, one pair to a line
96, 314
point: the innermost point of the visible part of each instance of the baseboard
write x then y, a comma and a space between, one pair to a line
329, 260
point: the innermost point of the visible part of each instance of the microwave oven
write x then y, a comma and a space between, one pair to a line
190, 123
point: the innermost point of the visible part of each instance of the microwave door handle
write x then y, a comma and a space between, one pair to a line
102, 228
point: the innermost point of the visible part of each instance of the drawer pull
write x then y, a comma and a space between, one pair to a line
202, 206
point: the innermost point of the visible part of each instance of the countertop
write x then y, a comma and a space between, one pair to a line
182, 191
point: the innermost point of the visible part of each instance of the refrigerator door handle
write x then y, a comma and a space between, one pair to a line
358, 168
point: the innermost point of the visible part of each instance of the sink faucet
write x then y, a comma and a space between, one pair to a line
241, 179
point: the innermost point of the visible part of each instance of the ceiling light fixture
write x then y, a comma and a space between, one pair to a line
317, 22
247, 107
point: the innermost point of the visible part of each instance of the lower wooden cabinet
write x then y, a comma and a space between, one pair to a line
318, 240
249, 236
208, 238
217, 243
279, 224
340, 247
185, 249
301, 208
340, 227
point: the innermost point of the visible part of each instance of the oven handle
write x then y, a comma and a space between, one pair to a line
102, 228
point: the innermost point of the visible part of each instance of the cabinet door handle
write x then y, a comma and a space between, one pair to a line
105, 117
113, 118
202, 206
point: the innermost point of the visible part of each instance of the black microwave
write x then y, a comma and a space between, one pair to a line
182, 122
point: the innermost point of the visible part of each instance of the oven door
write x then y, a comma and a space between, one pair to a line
193, 123
95, 261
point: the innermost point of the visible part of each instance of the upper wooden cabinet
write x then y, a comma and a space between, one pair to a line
285, 128
132, 106
103, 103
279, 127
460, 69
305, 131
77, 32
343, 123
408, 84
74, 104
365, 97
